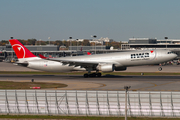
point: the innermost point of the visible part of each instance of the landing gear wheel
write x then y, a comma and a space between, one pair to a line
160, 68
86, 75
90, 75
93, 74
98, 74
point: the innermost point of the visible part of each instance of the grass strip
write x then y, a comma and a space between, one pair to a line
29, 85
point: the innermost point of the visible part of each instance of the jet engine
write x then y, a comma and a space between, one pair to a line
106, 68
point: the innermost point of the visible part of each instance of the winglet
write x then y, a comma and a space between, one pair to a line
20, 50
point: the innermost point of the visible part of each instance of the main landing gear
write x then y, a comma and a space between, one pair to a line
92, 75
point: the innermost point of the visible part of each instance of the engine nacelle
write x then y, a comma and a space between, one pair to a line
106, 68
120, 68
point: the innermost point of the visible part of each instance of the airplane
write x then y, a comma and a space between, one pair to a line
109, 62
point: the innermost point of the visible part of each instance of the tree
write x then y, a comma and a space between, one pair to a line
22, 41
4, 42
32, 41
58, 42
86, 43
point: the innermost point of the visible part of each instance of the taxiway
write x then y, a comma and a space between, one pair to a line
108, 82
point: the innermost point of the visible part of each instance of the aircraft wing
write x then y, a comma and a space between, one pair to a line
81, 63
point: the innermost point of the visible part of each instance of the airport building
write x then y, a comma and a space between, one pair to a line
101, 40
88, 48
153, 43
7, 52
148, 43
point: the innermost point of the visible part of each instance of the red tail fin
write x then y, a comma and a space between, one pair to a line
41, 56
20, 50
88, 53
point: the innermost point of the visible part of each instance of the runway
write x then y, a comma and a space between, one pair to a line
108, 82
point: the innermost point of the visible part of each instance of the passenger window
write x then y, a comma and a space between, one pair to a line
142, 55
137, 55
131, 56
134, 56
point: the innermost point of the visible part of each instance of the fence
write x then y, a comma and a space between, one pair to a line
98, 103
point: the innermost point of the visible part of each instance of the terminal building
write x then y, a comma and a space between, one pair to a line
7, 52
148, 43
88, 48
152, 43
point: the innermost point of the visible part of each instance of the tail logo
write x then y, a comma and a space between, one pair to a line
19, 48
21, 52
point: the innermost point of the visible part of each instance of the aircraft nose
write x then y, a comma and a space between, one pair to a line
175, 55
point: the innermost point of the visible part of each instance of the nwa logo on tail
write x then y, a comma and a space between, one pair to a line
20, 50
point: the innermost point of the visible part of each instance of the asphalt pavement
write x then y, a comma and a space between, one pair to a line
108, 82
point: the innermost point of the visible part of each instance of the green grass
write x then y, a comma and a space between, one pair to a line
81, 73
80, 117
28, 85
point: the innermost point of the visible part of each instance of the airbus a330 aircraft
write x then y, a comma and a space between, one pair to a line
100, 62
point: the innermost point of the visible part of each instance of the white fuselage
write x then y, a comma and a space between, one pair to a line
122, 59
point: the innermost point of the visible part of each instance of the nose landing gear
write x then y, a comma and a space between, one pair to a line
86, 75
160, 68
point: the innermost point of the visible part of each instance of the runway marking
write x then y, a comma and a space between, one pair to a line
84, 86
155, 85
167, 83
147, 87
176, 90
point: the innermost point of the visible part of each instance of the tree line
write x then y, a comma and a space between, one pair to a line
33, 41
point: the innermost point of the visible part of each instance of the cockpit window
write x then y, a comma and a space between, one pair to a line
170, 52
146, 54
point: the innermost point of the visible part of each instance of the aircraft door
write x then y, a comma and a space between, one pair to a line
151, 54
